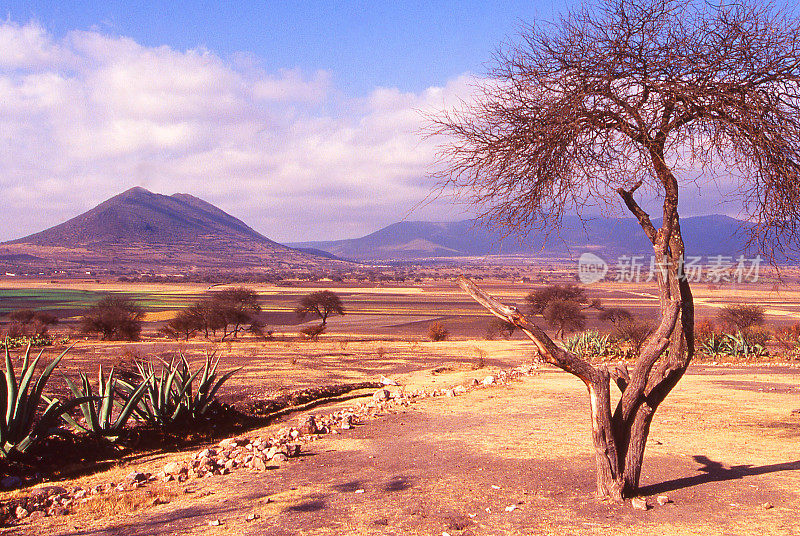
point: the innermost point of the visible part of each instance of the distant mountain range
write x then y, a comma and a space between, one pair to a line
607, 237
139, 228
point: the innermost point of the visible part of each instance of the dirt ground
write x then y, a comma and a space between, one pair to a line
723, 445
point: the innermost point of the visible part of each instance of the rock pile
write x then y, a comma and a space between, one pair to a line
256, 453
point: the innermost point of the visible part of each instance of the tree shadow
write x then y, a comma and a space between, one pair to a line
712, 471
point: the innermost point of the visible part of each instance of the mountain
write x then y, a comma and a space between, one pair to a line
144, 229
607, 237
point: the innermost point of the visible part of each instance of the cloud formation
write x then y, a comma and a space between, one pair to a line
89, 115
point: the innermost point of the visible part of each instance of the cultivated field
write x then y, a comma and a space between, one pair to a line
722, 446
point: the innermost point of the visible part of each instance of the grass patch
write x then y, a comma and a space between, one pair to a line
126, 502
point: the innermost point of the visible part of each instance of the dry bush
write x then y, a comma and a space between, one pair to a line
635, 332
313, 332
499, 327
480, 362
757, 335
110, 504
437, 332
788, 338
704, 329
740, 316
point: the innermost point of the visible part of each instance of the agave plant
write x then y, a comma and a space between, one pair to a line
589, 343
19, 400
98, 410
715, 345
169, 396
739, 346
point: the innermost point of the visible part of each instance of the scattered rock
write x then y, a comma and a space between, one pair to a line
308, 425
279, 458
381, 394
173, 468
767, 505
214, 523
21, 513
48, 491
459, 390
388, 381
663, 499
252, 517
639, 503
136, 476
488, 380
511, 508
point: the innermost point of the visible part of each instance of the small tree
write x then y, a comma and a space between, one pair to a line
741, 317
114, 318
322, 303
615, 316
437, 332
562, 307
231, 311
30, 322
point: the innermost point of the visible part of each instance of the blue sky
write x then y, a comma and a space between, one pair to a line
302, 119
410, 45
288, 115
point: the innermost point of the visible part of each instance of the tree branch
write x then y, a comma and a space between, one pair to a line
638, 212
549, 350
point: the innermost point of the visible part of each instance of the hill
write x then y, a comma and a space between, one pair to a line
144, 230
608, 237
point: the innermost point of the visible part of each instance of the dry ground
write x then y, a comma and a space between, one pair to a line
724, 444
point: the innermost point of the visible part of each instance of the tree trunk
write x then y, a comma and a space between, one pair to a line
619, 438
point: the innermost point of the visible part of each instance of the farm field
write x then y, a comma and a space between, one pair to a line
721, 447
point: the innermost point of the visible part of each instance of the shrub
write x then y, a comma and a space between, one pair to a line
741, 316
114, 318
19, 342
437, 332
634, 332
788, 338
615, 315
312, 332
499, 327
30, 322
704, 330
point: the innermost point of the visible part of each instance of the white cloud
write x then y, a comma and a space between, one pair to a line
87, 116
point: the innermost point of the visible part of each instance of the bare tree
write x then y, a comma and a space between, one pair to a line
634, 94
